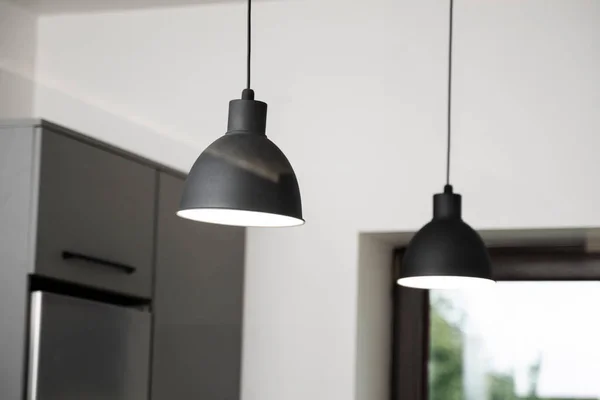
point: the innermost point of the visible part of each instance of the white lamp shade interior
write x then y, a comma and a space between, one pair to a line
232, 217
444, 282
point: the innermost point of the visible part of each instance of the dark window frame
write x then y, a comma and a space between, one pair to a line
410, 340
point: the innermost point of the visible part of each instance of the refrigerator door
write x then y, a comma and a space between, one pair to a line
84, 350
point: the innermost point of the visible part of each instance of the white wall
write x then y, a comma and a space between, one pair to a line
356, 92
17, 58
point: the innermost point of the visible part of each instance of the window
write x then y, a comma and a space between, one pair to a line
533, 336
517, 341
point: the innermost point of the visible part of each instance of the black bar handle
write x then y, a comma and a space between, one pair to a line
67, 255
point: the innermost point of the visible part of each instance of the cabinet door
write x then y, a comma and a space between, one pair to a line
84, 350
197, 304
96, 217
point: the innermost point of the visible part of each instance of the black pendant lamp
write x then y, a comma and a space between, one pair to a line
242, 178
446, 253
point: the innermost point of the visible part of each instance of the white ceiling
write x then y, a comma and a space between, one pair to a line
77, 6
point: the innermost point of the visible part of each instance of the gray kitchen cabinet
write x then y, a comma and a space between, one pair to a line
16, 255
86, 210
155, 298
78, 219
198, 302
95, 216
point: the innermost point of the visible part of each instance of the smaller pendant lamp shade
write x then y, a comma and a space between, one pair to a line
446, 253
242, 178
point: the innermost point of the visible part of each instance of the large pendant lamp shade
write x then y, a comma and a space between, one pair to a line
446, 253
243, 178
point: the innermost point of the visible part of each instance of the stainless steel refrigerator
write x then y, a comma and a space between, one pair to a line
87, 350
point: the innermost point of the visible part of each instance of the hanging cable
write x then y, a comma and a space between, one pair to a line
449, 92
249, 39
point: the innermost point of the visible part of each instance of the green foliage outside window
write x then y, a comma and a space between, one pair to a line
446, 363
